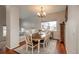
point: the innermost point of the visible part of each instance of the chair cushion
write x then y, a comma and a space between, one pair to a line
41, 41
34, 42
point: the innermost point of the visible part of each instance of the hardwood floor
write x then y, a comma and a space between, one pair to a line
60, 48
10, 51
7, 51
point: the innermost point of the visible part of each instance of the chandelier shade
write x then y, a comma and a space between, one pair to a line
42, 12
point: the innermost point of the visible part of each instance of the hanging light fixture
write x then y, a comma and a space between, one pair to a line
42, 12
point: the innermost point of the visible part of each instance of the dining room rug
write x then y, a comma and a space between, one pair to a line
50, 49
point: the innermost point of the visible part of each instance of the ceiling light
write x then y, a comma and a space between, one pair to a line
42, 12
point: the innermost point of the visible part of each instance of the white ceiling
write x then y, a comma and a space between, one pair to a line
31, 10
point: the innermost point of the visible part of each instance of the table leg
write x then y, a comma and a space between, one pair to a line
38, 46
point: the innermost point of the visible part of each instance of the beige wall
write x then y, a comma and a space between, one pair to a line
1, 33
2, 15
2, 20
59, 17
72, 30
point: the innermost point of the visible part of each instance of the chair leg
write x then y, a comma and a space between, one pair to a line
26, 47
32, 50
38, 47
46, 44
43, 45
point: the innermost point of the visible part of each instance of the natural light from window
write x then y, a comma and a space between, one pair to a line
4, 31
52, 25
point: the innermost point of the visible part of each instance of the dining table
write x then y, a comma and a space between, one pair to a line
37, 38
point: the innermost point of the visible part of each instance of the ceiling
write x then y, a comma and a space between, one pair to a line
31, 10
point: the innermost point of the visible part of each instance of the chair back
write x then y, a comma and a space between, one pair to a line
47, 37
28, 38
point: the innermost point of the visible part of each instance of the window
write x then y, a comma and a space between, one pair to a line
22, 30
4, 30
49, 25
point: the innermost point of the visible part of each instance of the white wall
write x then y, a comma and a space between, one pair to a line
72, 30
12, 22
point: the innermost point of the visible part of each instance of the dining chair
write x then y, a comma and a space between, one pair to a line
30, 43
45, 40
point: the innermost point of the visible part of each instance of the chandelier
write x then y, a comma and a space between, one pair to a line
42, 12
